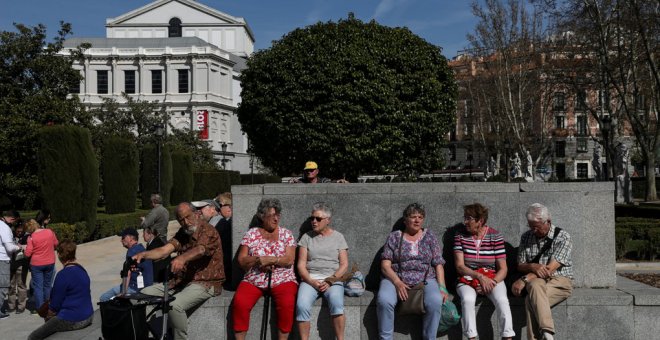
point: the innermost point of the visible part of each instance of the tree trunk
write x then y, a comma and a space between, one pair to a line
651, 193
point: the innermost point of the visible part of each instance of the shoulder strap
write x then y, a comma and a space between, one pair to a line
546, 246
77, 265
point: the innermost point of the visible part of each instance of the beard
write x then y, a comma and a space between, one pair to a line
191, 229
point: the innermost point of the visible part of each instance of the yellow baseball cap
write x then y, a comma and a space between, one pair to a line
311, 166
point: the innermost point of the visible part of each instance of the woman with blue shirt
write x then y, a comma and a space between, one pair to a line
70, 305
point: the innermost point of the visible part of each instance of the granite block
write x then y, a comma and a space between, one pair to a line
600, 322
599, 297
646, 322
254, 189
205, 319
409, 188
487, 187
294, 189
366, 188
566, 187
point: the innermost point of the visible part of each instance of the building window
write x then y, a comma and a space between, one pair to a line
582, 170
559, 102
174, 30
74, 86
183, 81
102, 81
156, 81
560, 122
129, 81
581, 101
582, 145
581, 125
560, 170
560, 148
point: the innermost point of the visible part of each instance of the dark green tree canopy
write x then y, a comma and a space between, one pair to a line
34, 83
355, 97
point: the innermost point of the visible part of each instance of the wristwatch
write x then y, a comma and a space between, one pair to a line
524, 279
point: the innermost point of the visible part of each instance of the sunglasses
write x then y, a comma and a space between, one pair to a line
318, 219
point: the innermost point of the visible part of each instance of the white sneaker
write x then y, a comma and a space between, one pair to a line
548, 336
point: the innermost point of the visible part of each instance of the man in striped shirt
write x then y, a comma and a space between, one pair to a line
547, 281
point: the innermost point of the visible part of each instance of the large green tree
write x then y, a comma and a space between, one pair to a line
356, 97
34, 83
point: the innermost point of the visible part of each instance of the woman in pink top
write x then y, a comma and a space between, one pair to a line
268, 250
41, 250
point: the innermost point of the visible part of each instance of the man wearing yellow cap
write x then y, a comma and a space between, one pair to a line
311, 175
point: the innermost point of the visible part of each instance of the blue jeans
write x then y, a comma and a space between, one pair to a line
386, 302
114, 291
42, 282
307, 295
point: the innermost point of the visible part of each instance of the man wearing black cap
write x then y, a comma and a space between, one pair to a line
129, 239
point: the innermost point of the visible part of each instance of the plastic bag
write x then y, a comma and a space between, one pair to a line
355, 285
448, 317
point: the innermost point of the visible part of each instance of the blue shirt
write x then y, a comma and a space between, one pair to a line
146, 267
71, 296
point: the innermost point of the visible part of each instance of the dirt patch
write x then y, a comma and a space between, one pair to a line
649, 279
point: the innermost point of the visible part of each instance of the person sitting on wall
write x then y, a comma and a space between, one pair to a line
150, 236
129, 239
311, 175
198, 269
544, 256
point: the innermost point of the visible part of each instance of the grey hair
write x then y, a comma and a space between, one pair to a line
156, 199
414, 208
538, 212
266, 204
323, 207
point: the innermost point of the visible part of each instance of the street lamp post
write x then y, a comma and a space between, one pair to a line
224, 154
159, 132
469, 156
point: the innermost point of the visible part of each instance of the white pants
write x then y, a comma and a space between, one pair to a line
500, 300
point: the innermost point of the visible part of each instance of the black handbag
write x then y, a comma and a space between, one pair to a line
414, 305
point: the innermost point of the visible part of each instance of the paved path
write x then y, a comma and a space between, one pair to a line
102, 259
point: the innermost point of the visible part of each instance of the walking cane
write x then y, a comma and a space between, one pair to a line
264, 319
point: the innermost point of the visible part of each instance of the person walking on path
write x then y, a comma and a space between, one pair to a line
20, 266
41, 251
7, 248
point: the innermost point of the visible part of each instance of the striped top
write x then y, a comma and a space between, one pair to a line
480, 253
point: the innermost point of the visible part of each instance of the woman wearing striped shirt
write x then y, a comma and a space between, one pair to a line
481, 265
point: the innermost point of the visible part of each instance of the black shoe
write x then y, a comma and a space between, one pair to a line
3, 315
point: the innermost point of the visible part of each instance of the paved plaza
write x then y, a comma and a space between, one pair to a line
103, 261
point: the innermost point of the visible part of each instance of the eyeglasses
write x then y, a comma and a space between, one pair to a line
468, 218
318, 219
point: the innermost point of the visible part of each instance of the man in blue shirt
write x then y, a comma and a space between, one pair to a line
129, 239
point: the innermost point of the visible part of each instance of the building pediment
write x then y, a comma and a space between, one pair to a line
191, 13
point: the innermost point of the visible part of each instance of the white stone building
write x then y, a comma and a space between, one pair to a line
183, 54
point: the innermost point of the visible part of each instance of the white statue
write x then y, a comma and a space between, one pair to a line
492, 166
517, 166
623, 183
597, 162
530, 165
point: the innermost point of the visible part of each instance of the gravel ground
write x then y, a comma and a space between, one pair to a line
651, 279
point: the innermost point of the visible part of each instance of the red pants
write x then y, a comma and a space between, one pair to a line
284, 296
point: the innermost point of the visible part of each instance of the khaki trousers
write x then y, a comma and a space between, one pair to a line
542, 294
189, 297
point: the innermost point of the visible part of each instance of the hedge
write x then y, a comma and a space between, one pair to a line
208, 184
259, 179
120, 175
68, 174
637, 238
149, 174
182, 177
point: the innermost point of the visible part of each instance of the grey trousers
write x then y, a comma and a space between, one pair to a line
4, 281
55, 325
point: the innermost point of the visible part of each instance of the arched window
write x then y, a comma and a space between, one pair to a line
174, 30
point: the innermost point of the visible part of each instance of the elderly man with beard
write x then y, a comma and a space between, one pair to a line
198, 269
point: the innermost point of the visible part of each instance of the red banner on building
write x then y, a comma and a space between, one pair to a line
202, 124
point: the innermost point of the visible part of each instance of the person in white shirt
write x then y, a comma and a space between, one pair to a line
7, 248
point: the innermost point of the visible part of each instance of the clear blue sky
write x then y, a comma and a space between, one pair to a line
441, 22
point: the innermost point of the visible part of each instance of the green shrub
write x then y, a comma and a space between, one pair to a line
149, 174
182, 177
654, 239
621, 236
640, 248
209, 184
77, 232
120, 175
68, 174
